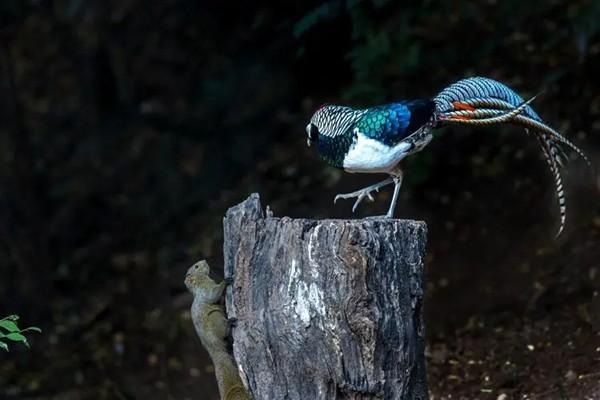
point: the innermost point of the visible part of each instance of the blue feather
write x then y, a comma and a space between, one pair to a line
391, 123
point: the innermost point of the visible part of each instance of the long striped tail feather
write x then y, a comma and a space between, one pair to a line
549, 150
487, 114
483, 101
477, 117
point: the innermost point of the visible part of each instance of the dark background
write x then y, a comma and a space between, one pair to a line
128, 127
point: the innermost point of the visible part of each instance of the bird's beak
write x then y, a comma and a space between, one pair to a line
308, 135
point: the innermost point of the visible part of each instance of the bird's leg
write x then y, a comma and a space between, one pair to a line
396, 176
364, 192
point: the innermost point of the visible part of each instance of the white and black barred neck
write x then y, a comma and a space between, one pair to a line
332, 121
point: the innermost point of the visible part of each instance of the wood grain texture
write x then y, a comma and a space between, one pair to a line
326, 309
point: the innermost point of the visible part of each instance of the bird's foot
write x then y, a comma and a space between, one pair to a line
364, 192
360, 195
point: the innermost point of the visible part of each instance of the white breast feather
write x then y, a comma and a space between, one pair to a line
369, 155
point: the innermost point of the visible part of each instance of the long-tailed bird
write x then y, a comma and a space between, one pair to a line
376, 139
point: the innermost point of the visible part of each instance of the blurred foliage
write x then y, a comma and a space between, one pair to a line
10, 331
426, 43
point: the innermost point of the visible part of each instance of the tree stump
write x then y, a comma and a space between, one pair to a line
326, 309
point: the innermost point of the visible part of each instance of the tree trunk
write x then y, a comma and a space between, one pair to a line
326, 309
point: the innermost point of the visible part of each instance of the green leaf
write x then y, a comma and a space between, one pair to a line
32, 328
4, 346
16, 337
9, 325
329, 9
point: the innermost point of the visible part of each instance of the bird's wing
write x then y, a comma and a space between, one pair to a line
391, 123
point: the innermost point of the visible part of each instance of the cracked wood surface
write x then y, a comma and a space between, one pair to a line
326, 309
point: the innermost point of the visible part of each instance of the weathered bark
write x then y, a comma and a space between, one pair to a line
326, 309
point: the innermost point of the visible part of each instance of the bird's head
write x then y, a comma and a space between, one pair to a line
317, 120
329, 120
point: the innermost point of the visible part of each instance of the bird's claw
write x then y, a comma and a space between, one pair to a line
359, 195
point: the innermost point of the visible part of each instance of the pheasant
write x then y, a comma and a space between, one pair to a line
377, 139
